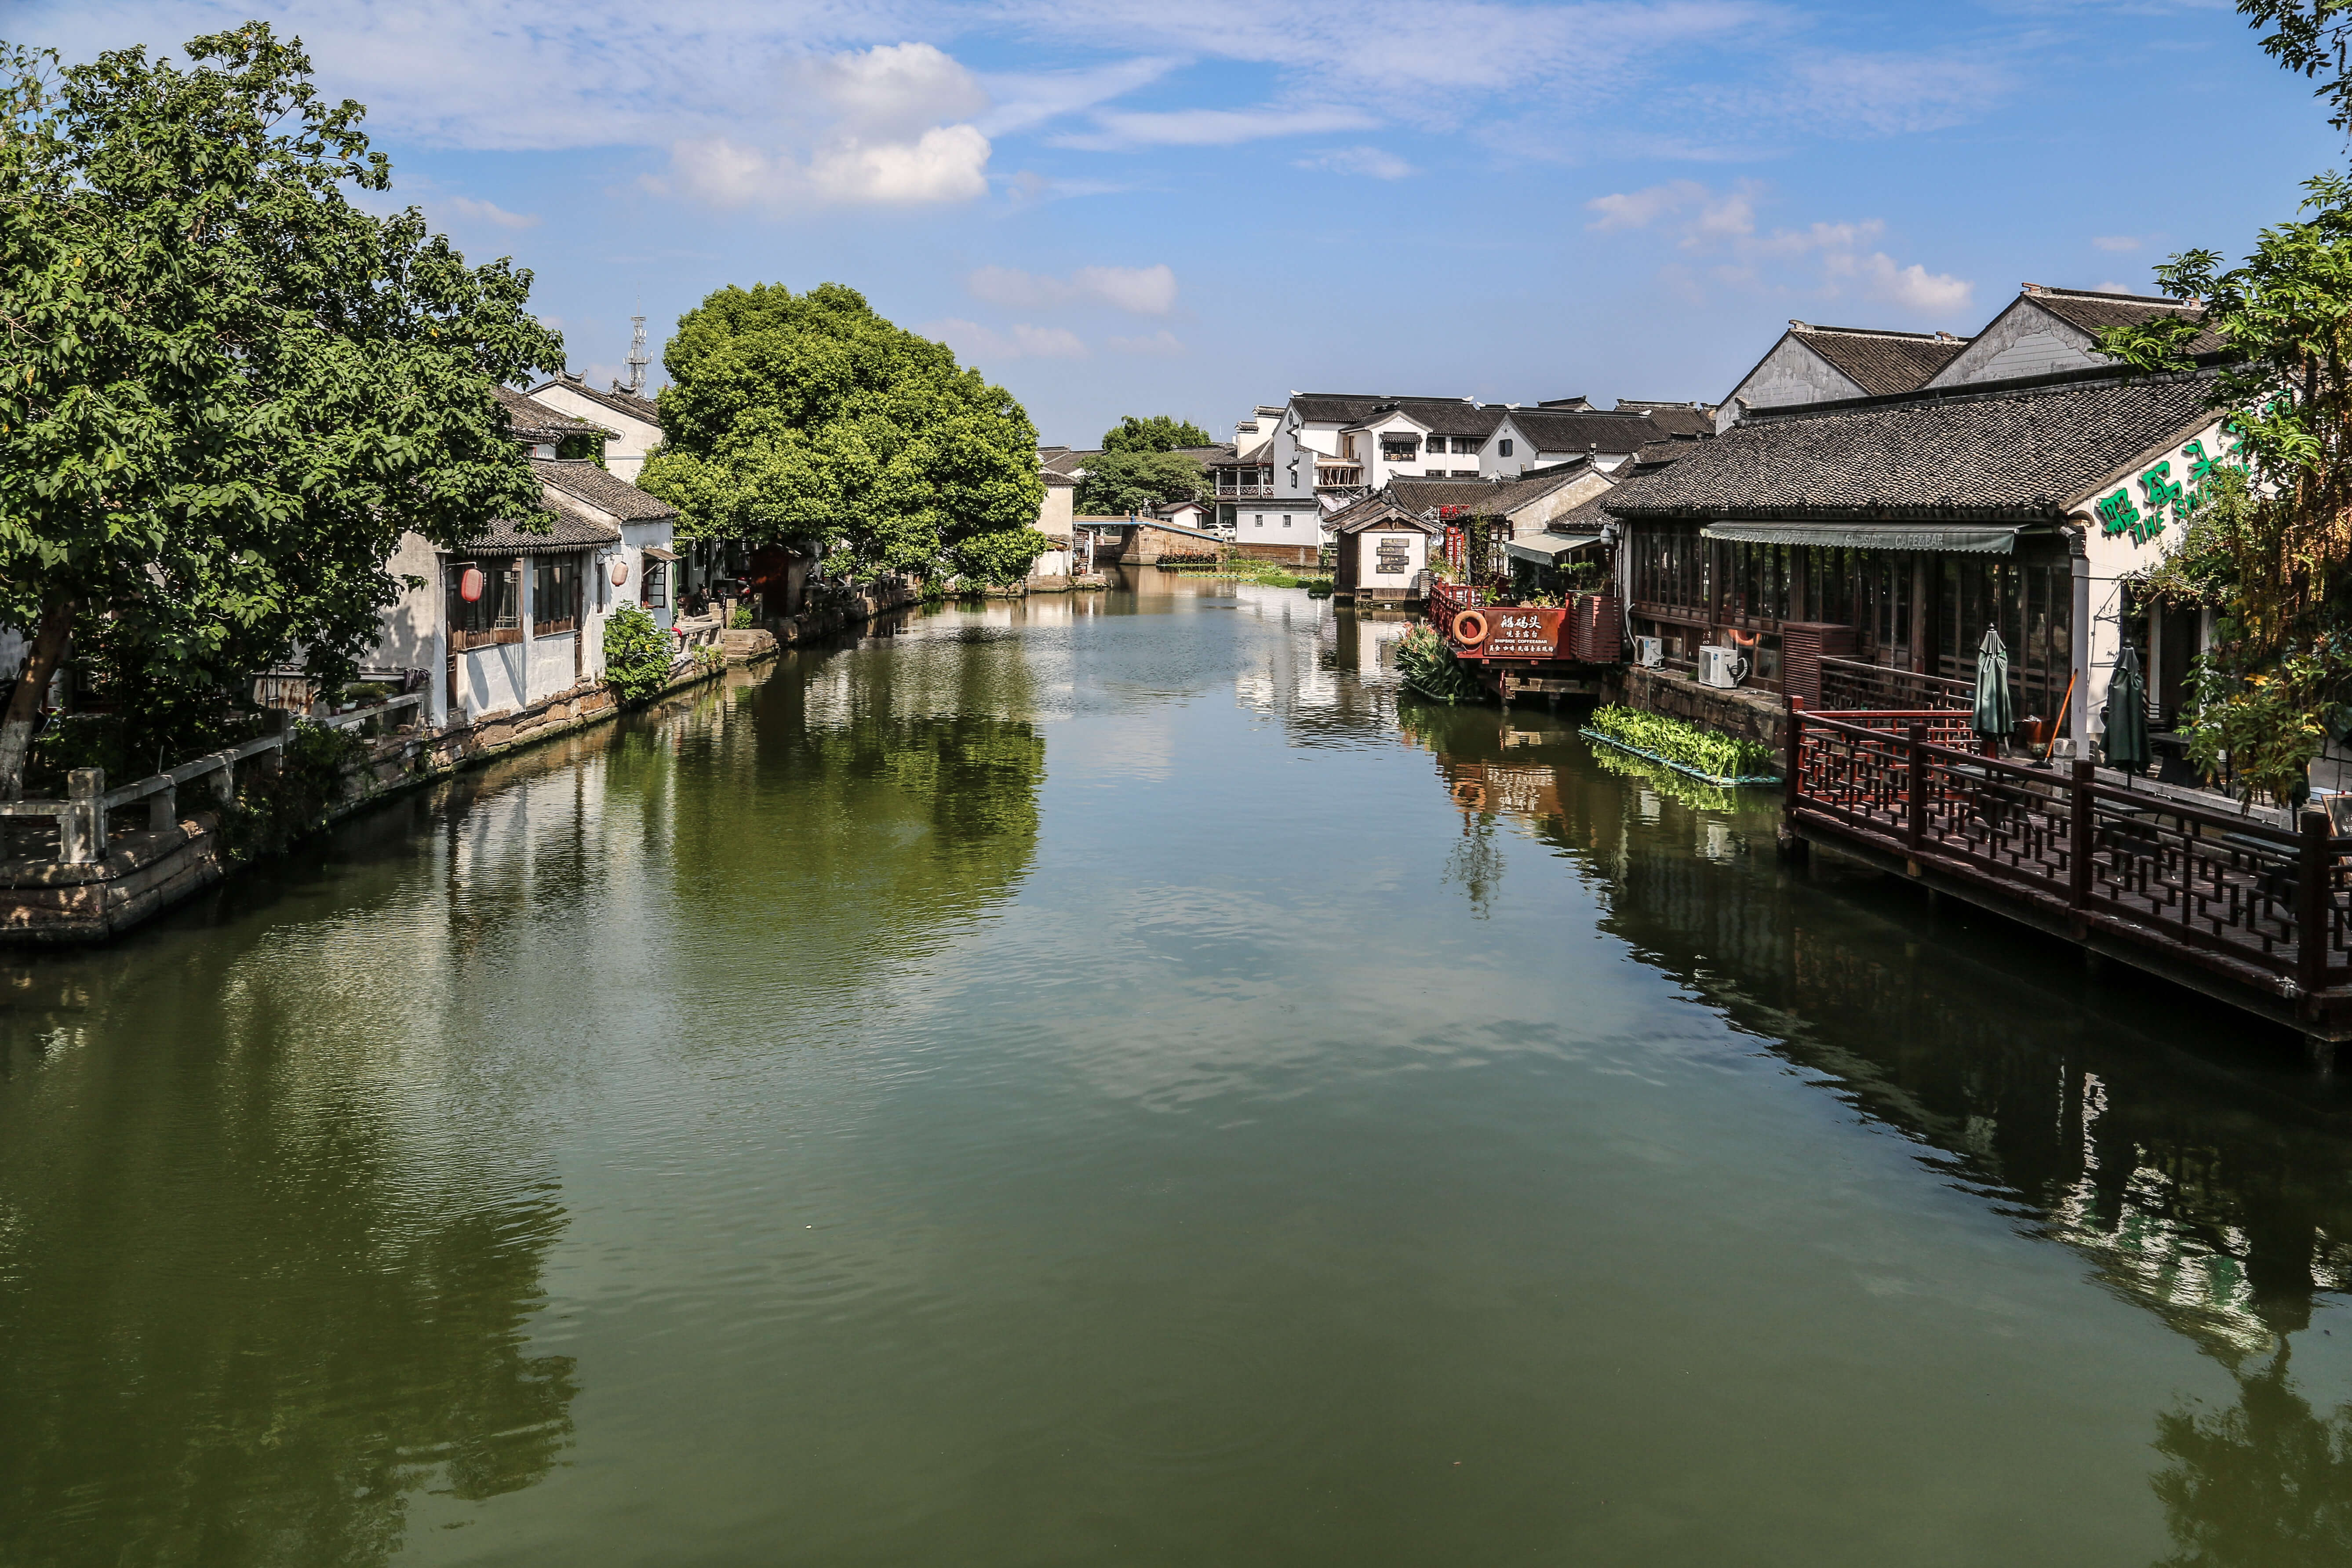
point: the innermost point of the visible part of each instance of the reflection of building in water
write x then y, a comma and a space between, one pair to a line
2198, 1191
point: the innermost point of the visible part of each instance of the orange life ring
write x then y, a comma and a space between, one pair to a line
1470, 629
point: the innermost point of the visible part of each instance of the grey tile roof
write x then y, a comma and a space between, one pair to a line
1881, 363
2024, 450
535, 421
1420, 495
1611, 434
2091, 312
579, 478
1672, 418
1062, 459
573, 529
1222, 453
618, 401
1442, 415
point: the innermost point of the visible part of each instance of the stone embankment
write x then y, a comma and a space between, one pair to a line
102, 884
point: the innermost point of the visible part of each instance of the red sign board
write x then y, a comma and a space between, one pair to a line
1526, 634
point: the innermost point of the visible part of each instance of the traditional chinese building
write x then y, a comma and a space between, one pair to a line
1876, 539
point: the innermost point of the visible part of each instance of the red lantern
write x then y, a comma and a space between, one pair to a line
470, 586
620, 571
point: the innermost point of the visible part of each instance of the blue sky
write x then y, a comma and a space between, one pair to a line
1136, 206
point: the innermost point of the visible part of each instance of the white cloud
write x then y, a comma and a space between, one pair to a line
973, 341
489, 212
1162, 342
875, 116
1141, 290
1370, 161
1120, 129
1843, 256
2117, 241
1024, 100
1912, 287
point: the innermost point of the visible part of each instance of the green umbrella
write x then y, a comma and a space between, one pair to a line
2128, 715
1995, 716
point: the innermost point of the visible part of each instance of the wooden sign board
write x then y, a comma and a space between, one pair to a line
1526, 634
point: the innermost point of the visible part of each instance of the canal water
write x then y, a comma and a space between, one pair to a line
1104, 1080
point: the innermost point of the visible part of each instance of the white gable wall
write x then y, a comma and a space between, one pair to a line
2024, 340
1791, 374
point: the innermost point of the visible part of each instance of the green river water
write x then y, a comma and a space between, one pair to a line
1100, 1080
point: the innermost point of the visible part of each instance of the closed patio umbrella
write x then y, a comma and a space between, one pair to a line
2127, 714
1995, 717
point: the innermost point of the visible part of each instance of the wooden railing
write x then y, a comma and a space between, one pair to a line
82, 816
2264, 905
1849, 684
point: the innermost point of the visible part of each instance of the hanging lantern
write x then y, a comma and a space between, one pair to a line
470, 584
620, 570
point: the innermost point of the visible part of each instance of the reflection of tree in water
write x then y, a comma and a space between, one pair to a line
243, 1324
2211, 1190
1475, 864
2266, 1483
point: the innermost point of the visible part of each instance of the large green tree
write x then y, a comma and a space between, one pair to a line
225, 390
1117, 483
2269, 547
1158, 433
809, 421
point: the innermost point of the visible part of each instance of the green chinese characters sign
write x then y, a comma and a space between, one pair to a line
2143, 517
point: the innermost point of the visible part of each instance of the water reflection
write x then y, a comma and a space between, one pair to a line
2213, 1187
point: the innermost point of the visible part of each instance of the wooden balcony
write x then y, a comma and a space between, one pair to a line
2247, 912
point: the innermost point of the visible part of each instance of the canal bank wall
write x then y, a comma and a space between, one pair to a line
137, 875
1739, 711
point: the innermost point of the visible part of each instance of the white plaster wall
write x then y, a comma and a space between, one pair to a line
2023, 339
1491, 462
1791, 374
1567, 498
1367, 545
408, 633
1053, 515
550, 664
625, 451
491, 679
1305, 527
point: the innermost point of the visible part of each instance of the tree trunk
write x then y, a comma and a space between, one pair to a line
41, 660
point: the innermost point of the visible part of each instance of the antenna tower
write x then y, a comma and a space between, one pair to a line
638, 359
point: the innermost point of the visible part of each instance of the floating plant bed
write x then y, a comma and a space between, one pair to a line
1719, 781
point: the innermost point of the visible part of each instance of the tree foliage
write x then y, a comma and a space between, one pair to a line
1117, 483
2272, 551
224, 391
810, 422
2311, 38
2270, 545
1160, 432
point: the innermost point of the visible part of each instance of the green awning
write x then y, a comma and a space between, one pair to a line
1948, 538
1550, 549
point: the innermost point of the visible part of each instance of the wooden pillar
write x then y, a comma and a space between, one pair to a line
1923, 621
1914, 828
2312, 907
2079, 826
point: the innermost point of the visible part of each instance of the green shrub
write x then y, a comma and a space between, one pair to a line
1709, 751
1429, 667
742, 620
274, 809
637, 653
710, 658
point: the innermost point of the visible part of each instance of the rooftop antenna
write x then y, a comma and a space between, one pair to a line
638, 359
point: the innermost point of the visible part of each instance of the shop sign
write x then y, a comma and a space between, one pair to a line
2163, 488
1524, 634
1396, 554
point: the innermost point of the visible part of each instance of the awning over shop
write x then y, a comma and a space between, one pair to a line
656, 553
1546, 549
1948, 538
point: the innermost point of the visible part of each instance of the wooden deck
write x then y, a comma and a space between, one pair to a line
2251, 913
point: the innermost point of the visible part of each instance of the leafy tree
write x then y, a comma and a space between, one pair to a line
1160, 432
2272, 549
224, 391
809, 421
1120, 482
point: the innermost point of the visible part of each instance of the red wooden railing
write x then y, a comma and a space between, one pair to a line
2263, 904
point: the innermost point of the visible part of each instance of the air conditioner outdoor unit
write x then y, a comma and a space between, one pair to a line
1721, 666
1649, 653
